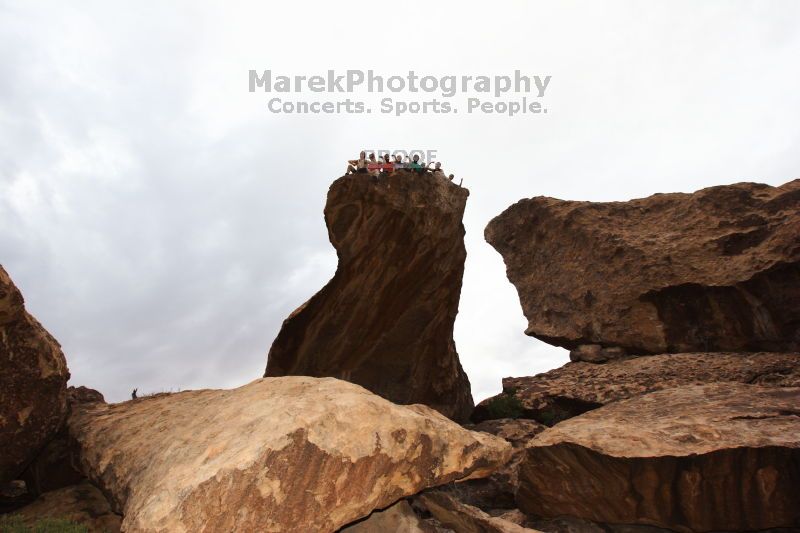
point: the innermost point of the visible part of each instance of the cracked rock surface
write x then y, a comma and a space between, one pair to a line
715, 457
716, 270
33, 383
290, 454
576, 388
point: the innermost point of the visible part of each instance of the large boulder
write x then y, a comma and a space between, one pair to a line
716, 457
290, 454
575, 388
716, 270
33, 383
385, 320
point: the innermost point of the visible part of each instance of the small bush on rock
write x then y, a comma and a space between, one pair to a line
505, 405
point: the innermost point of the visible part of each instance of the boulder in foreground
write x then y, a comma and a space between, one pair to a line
33, 383
718, 457
385, 320
712, 271
291, 454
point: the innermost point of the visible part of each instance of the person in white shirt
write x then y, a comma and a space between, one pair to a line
358, 165
437, 170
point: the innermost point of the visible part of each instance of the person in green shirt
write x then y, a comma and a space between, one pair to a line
416, 165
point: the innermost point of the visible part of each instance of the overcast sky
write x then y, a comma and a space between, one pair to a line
161, 223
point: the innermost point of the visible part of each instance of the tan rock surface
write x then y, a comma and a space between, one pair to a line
81, 503
464, 518
717, 457
291, 454
399, 518
385, 320
33, 383
716, 270
579, 387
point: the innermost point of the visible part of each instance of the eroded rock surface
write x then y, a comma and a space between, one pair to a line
499, 490
82, 504
717, 457
399, 518
576, 388
33, 383
463, 518
54, 466
385, 320
290, 454
716, 270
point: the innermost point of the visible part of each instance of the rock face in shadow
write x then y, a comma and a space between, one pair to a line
718, 457
464, 518
385, 320
399, 518
33, 383
82, 504
713, 271
53, 467
499, 490
576, 388
290, 454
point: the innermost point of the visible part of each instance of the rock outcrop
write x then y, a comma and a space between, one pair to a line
716, 270
499, 490
718, 457
575, 388
33, 383
53, 467
290, 454
81, 504
385, 320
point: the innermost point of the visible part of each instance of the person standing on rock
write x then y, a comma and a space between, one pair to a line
358, 165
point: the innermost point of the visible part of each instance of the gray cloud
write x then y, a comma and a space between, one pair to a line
162, 224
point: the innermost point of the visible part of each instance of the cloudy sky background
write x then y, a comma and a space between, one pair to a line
161, 223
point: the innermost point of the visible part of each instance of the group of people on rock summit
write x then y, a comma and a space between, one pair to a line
375, 167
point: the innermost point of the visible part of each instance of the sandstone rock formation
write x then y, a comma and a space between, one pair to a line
399, 518
499, 490
575, 388
82, 504
464, 518
33, 383
290, 454
716, 270
717, 457
385, 320
53, 467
